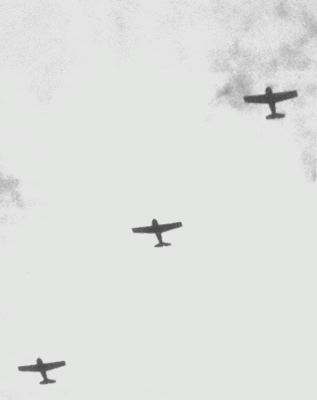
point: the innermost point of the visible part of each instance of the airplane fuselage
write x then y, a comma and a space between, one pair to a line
158, 234
271, 101
39, 362
41, 365
270, 98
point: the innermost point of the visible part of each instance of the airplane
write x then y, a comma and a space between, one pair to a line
271, 98
42, 368
158, 230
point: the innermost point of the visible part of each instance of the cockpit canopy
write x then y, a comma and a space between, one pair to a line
268, 90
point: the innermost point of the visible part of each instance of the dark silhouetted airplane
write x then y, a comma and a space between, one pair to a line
158, 230
271, 98
42, 368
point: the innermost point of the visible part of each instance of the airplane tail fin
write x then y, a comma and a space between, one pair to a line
46, 381
274, 116
162, 244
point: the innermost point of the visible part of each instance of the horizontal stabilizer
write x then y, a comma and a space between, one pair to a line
162, 244
274, 116
47, 381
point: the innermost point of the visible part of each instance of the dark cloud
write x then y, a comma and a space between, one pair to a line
310, 24
282, 10
237, 65
296, 54
234, 90
9, 191
291, 56
244, 78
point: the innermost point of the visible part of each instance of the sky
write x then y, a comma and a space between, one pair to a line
114, 113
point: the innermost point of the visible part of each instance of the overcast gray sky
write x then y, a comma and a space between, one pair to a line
114, 113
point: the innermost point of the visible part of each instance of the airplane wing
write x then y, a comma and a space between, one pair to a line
57, 364
30, 368
261, 98
144, 229
284, 95
168, 227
